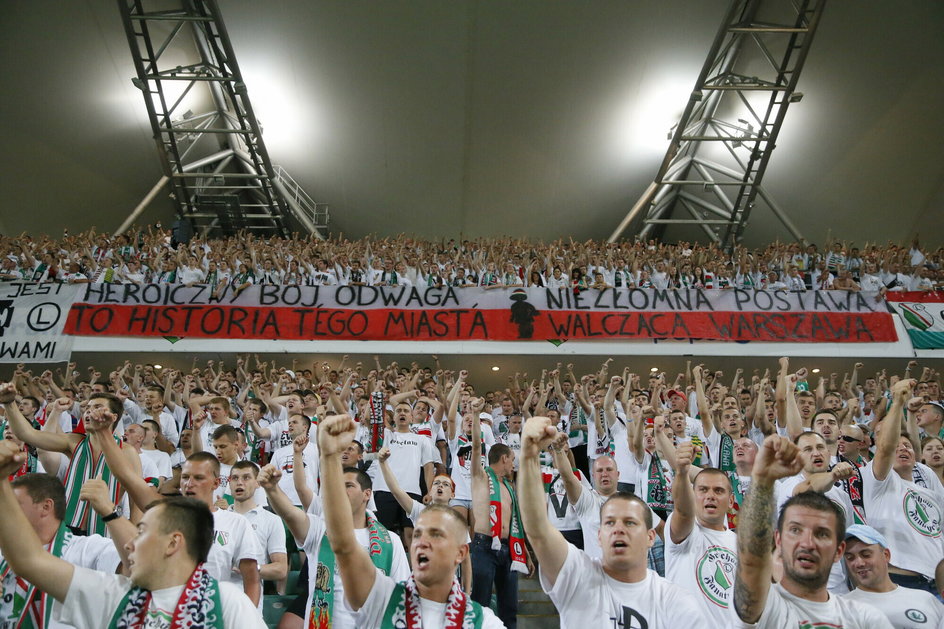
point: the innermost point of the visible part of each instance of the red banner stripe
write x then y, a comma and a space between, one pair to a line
236, 322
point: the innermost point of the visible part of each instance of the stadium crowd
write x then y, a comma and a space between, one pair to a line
639, 499
152, 255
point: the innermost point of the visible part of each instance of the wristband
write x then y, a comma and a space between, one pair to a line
114, 515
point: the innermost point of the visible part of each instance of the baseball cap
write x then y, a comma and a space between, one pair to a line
867, 534
935, 403
675, 392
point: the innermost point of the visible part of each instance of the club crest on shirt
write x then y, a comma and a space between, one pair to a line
715, 573
915, 615
922, 514
222, 538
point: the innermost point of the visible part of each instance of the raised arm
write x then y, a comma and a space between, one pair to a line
295, 519
24, 431
890, 432
683, 516
402, 498
549, 545
572, 485
777, 458
704, 410
19, 543
358, 574
99, 431
299, 478
793, 420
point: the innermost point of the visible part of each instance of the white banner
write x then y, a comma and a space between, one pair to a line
32, 317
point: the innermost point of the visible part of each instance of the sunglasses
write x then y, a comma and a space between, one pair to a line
849, 439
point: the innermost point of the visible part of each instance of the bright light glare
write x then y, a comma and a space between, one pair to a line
286, 122
156, 366
646, 116
654, 369
815, 370
495, 368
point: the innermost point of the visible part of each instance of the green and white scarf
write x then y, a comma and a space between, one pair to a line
726, 454
79, 514
322, 596
199, 605
26, 614
403, 609
519, 562
658, 494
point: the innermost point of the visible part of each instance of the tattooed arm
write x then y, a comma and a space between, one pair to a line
776, 459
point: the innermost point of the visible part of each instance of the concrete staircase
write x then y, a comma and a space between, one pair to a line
535, 609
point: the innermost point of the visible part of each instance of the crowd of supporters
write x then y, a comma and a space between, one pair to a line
705, 454
152, 255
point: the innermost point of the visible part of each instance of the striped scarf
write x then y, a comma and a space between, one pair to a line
81, 468
199, 605
403, 609
32, 608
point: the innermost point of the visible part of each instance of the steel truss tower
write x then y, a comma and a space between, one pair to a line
215, 160
719, 151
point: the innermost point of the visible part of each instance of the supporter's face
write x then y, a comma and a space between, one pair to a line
745, 450
814, 453
217, 413
827, 426
832, 402
808, 546
714, 395
507, 408
134, 435
934, 390
437, 548
904, 454
623, 536
847, 448
198, 480
745, 399
649, 440
185, 438
402, 413
807, 406
294, 403
27, 408
148, 549
351, 456
678, 423
242, 483
713, 497
514, 424
928, 414
933, 453
226, 451
420, 412
442, 490
867, 563
358, 497
605, 475
252, 413
677, 402
729, 402
296, 427
34, 511
731, 421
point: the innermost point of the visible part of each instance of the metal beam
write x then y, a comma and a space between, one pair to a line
777, 34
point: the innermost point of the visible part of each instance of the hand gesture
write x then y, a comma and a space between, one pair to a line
383, 454
335, 433
776, 459
684, 455
199, 419
902, 388
95, 492
538, 433
843, 471
269, 477
7, 393
478, 404
11, 458
299, 444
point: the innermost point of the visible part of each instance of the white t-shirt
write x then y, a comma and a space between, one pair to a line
587, 509
909, 516
343, 615
233, 541
562, 515
462, 467
905, 608
586, 597
371, 613
786, 611
704, 563
284, 459
160, 461
93, 552
94, 597
408, 454
270, 532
